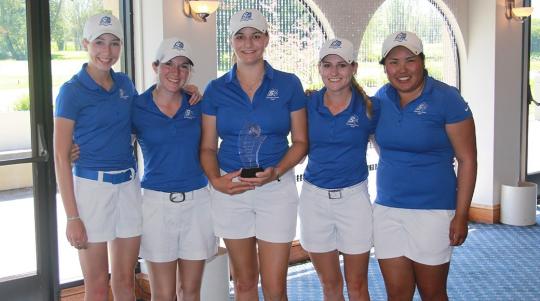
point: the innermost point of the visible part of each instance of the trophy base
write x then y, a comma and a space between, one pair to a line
250, 172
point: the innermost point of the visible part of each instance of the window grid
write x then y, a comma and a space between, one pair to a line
427, 20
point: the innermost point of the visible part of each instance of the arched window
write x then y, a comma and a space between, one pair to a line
426, 19
295, 36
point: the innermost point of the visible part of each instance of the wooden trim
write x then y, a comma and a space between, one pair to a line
485, 214
142, 284
76, 293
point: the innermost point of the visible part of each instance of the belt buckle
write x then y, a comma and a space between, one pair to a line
175, 197
334, 194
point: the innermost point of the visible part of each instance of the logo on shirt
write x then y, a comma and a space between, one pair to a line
402, 36
421, 109
466, 107
246, 17
105, 21
188, 114
178, 45
272, 94
353, 121
335, 44
122, 94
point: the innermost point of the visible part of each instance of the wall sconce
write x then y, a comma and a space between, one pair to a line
517, 13
200, 10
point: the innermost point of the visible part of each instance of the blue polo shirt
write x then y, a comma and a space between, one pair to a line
416, 169
279, 94
170, 146
102, 120
337, 144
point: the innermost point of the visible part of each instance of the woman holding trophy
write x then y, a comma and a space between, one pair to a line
335, 209
253, 108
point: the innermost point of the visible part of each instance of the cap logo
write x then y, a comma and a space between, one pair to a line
335, 44
178, 45
247, 16
105, 21
400, 37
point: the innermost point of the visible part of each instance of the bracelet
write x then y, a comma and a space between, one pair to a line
72, 218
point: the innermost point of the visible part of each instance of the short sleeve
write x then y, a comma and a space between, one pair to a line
208, 104
66, 105
456, 108
299, 98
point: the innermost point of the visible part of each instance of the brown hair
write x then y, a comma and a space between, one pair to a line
360, 90
367, 100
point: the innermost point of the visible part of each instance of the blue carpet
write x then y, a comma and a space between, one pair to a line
497, 262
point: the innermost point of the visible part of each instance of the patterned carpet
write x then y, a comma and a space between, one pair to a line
497, 262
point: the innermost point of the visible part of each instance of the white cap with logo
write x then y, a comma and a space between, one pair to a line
171, 48
406, 39
338, 46
247, 18
100, 24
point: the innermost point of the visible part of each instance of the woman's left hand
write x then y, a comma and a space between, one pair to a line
459, 228
262, 177
193, 90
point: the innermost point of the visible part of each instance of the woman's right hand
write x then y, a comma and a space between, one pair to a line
310, 92
76, 233
74, 153
227, 184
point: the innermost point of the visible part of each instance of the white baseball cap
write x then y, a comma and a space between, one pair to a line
247, 18
171, 48
338, 46
100, 24
406, 39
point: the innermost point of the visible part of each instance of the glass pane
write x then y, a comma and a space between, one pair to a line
68, 56
17, 228
14, 92
16, 198
533, 145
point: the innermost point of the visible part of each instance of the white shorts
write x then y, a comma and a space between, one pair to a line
107, 210
177, 225
338, 219
419, 234
267, 212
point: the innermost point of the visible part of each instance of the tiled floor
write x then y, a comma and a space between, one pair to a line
497, 262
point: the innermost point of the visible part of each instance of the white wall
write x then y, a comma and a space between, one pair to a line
157, 20
490, 56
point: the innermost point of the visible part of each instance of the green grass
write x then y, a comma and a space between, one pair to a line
14, 82
69, 55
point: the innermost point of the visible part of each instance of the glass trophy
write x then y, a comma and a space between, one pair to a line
249, 144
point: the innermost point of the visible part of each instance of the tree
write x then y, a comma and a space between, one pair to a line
58, 25
535, 38
76, 14
13, 33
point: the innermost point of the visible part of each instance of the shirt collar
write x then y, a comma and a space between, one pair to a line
268, 73
323, 109
89, 82
152, 105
